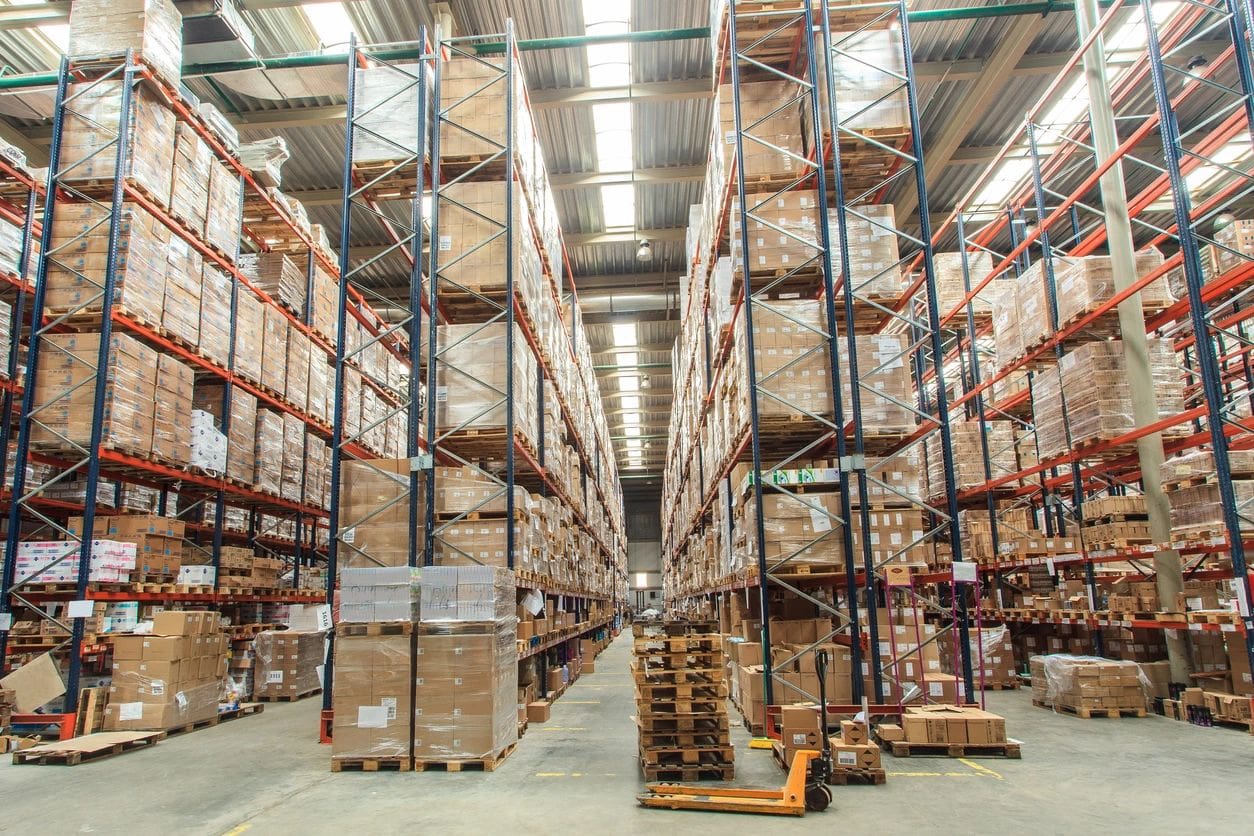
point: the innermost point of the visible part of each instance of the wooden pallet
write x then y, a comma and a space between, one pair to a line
684, 740
89, 747
683, 774
840, 775
1089, 713
345, 764
91, 710
381, 628
653, 629
1001, 686
905, 749
289, 697
679, 645
683, 756
674, 723
485, 764
669, 707
702, 692
244, 709
677, 676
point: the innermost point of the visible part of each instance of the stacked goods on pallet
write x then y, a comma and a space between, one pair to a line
1089, 686
794, 675
874, 269
288, 664
681, 702
1091, 384
908, 646
59, 561
1087, 282
994, 646
968, 449
171, 678
472, 382
1193, 489
950, 726
466, 660
952, 285
8, 698
158, 540
152, 29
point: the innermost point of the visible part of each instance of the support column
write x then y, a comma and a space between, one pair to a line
1170, 578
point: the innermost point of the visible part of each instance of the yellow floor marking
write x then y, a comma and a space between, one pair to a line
983, 770
934, 774
550, 774
239, 828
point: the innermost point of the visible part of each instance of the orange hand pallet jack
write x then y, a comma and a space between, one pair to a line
805, 789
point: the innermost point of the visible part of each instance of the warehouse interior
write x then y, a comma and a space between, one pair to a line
626, 401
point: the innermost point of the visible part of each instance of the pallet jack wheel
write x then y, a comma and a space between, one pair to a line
818, 797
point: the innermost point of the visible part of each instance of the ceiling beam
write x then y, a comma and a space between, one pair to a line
296, 117
579, 239
28, 17
975, 102
657, 91
664, 174
637, 282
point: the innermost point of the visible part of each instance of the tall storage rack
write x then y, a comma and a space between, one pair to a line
849, 166
1181, 194
420, 185
33, 512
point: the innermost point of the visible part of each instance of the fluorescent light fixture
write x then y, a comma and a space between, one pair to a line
618, 207
631, 418
628, 358
631, 402
624, 334
632, 430
633, 444
629, 383
642, 580
609, 65
330, 22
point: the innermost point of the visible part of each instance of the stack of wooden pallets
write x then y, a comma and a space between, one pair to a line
681, 702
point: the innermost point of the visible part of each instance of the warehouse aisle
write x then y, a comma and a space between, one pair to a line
268, 775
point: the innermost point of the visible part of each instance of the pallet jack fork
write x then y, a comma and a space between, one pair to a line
805, 789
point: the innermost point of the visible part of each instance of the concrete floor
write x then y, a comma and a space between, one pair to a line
267, 774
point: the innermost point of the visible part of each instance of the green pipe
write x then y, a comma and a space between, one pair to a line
327, 59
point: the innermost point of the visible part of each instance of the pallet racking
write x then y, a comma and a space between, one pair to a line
849, 163
201, 498
459, 199
1179, 184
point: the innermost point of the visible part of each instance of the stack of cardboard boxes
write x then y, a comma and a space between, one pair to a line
288, 664
1088, 686
171, 678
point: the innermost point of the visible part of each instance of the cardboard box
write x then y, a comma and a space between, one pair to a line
859, 756
852, 732
538, 711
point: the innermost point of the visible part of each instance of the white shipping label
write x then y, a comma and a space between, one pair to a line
964, 572
390, 704
157, 687
800, 739
80, 609
6, 622
820, 521
847, 758
181, 700
372, 717
131, 711
349, 535
446, 243
274, 677
935, 689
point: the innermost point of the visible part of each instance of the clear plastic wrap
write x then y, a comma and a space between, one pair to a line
58, 561
374, 513
170, 678
1088, 682
268, 452
884, 382
279, 276
250, 333
471, 379
172, 410
153, 29
79, 258
317, 471
373, 694
209, 447
180, 314
293, 465
10, 247
241, 456
874, 270
297, 383
772, 250
64, 397
867, 67
325, 300
90, 129
950, 287
779, 142
220, 126
274, 350
193, 165
1088, 282
321, 400
288, 663
465, 690
6, 336
386, 112
1093, 380
380, 594
968, 456
265, 158
223, 214
791, 358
